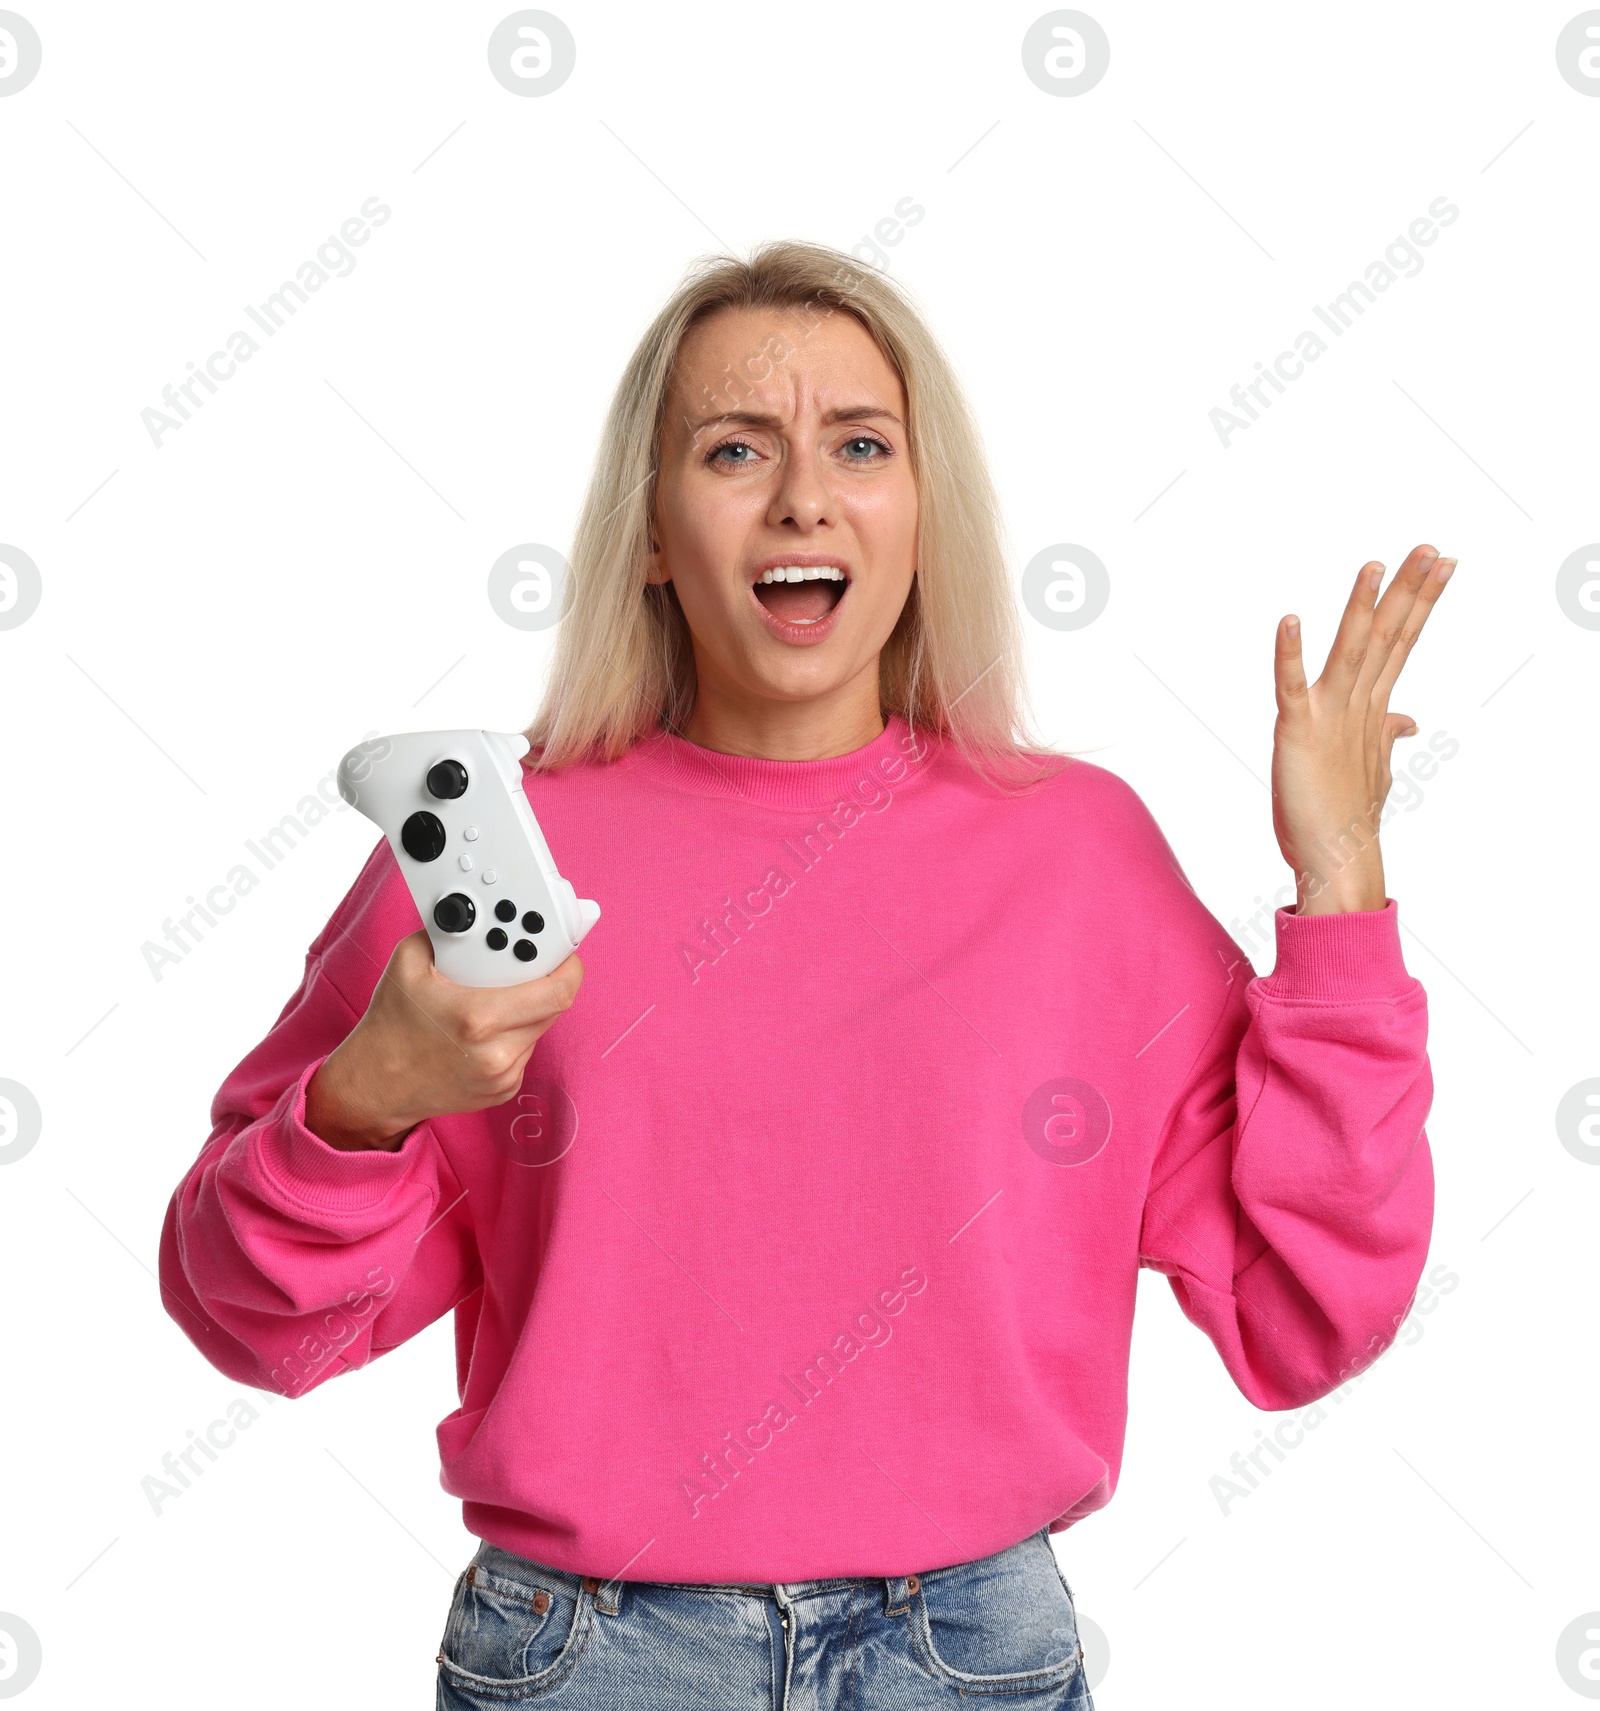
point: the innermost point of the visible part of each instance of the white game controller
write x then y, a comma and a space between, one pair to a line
452, 807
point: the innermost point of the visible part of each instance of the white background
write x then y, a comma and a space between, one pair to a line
305, 561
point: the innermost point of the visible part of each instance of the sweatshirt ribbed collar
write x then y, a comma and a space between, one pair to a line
887, 760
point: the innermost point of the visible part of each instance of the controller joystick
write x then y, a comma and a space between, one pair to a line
455, 913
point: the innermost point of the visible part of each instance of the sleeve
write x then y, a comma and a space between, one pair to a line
1291, 1197
283, 1259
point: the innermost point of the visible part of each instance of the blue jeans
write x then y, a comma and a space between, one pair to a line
519, 1632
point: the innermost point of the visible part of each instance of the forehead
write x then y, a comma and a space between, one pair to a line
776, 356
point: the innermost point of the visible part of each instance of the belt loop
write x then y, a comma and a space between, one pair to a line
897, 1593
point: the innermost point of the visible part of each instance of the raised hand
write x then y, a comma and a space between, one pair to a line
1331, 744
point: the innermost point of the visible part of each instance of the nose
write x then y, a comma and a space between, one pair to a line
801, 496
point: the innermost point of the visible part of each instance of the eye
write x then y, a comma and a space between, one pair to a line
859, 448
715, 455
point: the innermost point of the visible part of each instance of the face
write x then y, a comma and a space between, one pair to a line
786, 512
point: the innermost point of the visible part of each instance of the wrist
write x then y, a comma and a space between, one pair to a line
338, 1113
1345, 893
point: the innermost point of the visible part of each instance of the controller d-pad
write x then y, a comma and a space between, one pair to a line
524, 950
447, 780
505, 910
455, 913
422, 836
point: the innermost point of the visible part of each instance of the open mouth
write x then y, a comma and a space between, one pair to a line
801, 594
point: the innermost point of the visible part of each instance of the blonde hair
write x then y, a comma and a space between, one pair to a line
624, 665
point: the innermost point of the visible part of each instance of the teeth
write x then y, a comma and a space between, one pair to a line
804, 573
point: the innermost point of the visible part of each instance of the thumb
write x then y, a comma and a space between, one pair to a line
1395, 725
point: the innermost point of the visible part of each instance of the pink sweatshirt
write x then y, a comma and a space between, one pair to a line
810, 1246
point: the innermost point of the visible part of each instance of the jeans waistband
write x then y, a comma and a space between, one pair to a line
608, 1594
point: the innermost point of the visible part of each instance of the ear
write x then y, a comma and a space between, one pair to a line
655, 568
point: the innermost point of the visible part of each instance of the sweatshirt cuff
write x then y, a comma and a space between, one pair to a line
1350, 955
304, 1168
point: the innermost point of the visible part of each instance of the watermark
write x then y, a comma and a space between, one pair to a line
1066, 1121
1065, 586
868, 1329
1349, 843
888, 232
1403, 259
1577, 585
180, 937
220, 1435
1577, 1649
531, 53
21, 1122
736, 386
535, 1128
1250, 1468
1255, 933
530, 586
20, 58
20, 1650
20, 587
800, 854
1065, 53
337, 1328
1577, 1121
1578, 53
272, 314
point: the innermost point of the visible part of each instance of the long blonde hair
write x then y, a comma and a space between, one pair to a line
624, 666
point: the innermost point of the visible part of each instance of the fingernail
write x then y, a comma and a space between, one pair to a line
1443, 567
1291, 626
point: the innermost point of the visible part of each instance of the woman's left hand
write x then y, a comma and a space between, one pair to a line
1330, 751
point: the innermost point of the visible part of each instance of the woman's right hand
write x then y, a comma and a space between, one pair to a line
428, 1048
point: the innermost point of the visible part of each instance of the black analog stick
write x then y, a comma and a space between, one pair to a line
454, 913
422, 836
447, 780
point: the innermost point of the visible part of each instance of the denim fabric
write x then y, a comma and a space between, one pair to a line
1004, 1625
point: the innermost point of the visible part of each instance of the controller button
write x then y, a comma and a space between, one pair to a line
533, 922
422, 836
466, 863
496, 940
505, 910
470, 833
490, 876
454, 913
525, 950
447, 780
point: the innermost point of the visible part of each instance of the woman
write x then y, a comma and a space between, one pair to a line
794, 1262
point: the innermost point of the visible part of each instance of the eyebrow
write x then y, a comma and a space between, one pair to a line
759, 419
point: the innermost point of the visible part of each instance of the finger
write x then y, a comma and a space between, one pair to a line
1395, 726
425, 991
1288, 669
1389, 619
532, 1003
1355, 626
1439, 573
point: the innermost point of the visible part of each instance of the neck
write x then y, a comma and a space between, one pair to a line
837, 723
